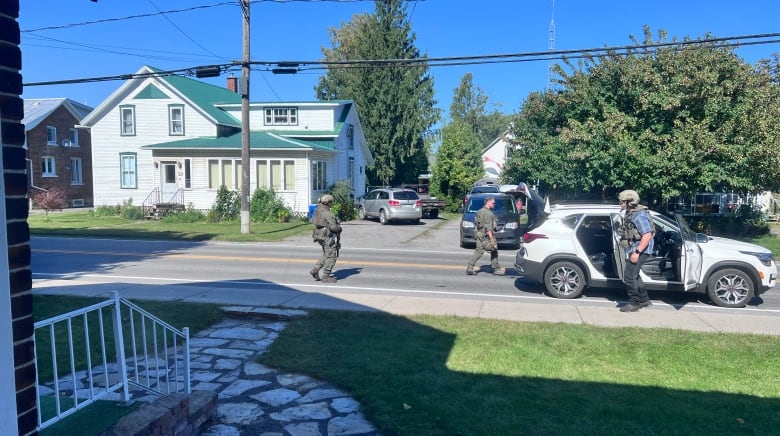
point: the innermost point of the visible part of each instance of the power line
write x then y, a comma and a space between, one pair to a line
297, 66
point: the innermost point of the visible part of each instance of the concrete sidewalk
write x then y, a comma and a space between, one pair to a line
660, 315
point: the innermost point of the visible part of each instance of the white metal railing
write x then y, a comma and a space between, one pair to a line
158, 361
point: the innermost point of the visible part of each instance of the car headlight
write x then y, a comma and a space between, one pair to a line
764, 258
512, 225
467, 224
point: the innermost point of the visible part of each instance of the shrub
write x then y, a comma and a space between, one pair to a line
130, 212
266, 206
343, 201
189, 215
227, 205
106, 210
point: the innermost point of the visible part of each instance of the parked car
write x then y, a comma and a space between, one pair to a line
505, 210
576, 247
480, 189
390, 204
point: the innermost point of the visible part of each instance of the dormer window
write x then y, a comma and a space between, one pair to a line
281, 116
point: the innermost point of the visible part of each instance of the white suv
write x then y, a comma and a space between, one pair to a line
576, 246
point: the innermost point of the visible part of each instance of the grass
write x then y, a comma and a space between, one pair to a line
434, 375
84, 224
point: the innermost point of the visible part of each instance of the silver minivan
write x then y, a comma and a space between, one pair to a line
391, 204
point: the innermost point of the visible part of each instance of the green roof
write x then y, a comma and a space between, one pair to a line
205, 96
257, 141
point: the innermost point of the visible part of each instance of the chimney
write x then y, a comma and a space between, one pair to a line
232, 83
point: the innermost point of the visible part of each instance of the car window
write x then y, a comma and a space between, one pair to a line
504, 205
372, 195
476, 204
384, 195
405, 195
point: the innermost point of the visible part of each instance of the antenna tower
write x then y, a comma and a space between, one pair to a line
551, 47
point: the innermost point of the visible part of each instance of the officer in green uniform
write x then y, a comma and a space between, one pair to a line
327, 232
486, 224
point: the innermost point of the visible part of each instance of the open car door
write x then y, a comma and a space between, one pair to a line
690, 255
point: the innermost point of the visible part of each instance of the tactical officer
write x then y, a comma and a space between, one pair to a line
636, 236
327, 233
486, 224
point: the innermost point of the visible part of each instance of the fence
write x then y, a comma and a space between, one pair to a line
82, 360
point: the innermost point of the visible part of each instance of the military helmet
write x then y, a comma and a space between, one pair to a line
326, 199
630, 196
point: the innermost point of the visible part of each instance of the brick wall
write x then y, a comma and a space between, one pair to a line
37, 146
15, 196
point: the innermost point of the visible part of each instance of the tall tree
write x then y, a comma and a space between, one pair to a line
458, 162
396, 102
470, 106
672, 121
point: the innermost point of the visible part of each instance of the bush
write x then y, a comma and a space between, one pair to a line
343, 201
54, 198
130, 212
190, 215
227, 205
105, 210
747, 222
266, 206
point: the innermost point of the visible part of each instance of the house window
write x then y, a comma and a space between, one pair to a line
187, 173
225, 172
318, 172
129, 170
351, 171
75, 171
278, 175
74, 137
51, 135
48, 169
175, 120
351, 137
127, 118
281, 116
262, 174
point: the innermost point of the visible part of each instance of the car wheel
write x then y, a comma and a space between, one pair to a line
730, 288
434, 214
564, 280
361, 213
382, 217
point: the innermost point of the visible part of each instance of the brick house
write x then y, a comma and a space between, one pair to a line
59, 155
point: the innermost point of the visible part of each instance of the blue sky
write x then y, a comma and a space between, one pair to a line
296, 30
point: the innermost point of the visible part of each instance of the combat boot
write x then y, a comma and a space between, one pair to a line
329, 279
315, 273
470, 271
499, 271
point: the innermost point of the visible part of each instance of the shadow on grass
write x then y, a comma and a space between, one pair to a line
410, 379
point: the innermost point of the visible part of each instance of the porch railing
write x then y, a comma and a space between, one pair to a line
80, 359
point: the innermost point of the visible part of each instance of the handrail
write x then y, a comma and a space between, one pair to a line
162, 365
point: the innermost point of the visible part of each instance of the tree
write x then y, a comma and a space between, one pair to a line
52, 198
673, 121
396, 102
458, 162
469, 106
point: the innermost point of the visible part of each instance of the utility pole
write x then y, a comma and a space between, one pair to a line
244, 89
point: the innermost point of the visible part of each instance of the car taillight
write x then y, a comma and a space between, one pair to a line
528, 237
419, 203
393, 203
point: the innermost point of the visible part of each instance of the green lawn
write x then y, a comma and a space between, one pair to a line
434, 375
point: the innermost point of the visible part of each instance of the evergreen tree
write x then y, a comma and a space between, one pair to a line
396, 103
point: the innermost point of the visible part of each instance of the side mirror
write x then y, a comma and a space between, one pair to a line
702, 237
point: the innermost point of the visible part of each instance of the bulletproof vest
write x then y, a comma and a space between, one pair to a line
629, 234
318, 220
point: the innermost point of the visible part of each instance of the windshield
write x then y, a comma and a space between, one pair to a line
503, 205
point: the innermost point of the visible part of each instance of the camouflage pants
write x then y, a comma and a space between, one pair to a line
480, 250
328, 258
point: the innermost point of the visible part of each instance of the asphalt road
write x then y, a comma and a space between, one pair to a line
412, 259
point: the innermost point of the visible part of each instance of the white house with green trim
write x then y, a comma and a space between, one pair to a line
172, 139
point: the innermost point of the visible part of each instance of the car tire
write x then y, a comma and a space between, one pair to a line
564, 280
433, 214
382, 217
362, 213
730, 287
